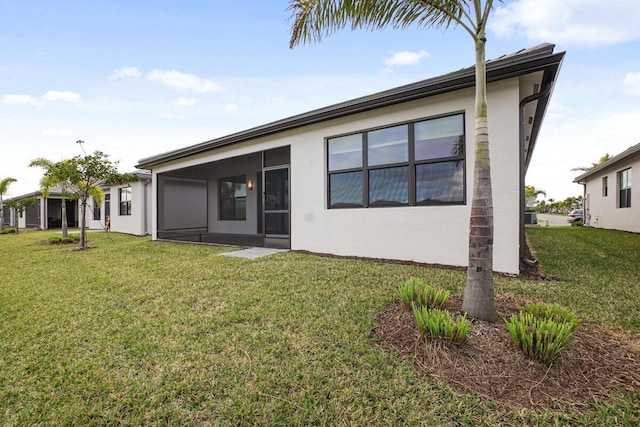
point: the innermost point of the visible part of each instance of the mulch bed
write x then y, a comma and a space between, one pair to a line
596, 363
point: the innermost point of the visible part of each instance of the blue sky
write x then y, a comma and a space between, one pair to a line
134, 79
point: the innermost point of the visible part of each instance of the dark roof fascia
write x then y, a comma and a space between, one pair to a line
25, 196
521, 63
615, 159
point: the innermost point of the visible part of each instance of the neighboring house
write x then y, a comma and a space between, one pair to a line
126, 207
383, 176
46, 213
608, 199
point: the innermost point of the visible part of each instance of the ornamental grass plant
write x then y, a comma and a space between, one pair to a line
542, 331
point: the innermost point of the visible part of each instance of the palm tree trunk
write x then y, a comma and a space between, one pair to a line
478, 297
64, 225
83, 228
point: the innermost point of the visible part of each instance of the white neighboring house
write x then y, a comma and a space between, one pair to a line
127, 207
608, 199
387, 175
45, 214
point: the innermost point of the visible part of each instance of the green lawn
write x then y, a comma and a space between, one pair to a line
135, 332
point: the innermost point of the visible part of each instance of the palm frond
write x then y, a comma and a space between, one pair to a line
315, 19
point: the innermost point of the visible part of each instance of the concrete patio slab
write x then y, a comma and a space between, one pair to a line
253, 253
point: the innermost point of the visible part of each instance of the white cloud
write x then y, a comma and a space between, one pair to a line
585, 23
406, 58
184, 102
231, 107
19, 100
56, 132
61, 96
125, 73
183, 81
632, 83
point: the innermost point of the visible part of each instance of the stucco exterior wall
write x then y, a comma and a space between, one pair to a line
429, 234
138, 223
603, 211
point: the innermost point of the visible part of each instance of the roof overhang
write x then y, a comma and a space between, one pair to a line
611, 162
539, 58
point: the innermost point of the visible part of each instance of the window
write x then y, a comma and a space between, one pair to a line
624, 184
96, 210
418, 163
605, 186
107, 205
125, 200
233, 199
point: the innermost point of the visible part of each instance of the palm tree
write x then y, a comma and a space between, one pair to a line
4, 186
314, 19
55, 175
593, 165
83, 176
531, 194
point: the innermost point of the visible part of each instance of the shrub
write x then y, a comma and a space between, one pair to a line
8, 230
416, 291
542, 331
431, 297
439, 324
57, 240
554, 312
407, 292
577, 223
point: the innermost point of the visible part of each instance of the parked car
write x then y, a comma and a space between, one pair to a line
575, 215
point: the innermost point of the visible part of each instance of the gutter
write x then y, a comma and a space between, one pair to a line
531, 98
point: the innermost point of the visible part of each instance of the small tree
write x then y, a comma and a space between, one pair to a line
82, 176
4, 186
56, 175
19, 206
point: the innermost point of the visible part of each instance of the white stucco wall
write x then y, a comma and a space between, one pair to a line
138, 223
603, 212
430, 234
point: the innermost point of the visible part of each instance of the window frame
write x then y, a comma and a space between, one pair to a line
97, 212
124, 205
238, 179
624, 189
411, 164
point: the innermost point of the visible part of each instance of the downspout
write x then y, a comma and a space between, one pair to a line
145, 208
531, 98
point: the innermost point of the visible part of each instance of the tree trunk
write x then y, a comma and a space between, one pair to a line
1, 213
83, 228
65, 226
479, 300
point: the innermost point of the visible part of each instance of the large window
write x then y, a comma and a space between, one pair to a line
124, 198
107, 205
96, 210
418, 163
624, 185
233, 198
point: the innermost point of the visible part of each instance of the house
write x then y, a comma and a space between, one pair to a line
131, 213
126, 208
608, 200
386, 176
45, 214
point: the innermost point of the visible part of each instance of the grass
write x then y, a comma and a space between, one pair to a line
136, 332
